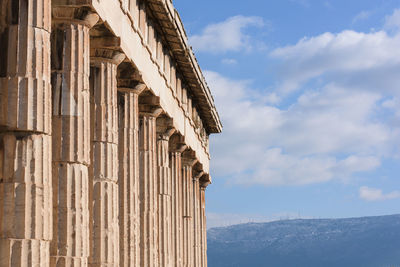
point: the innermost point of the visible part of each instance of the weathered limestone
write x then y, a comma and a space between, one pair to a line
25, 128
196, 219
128, 175
149, 247
91, 173
177, 147
25, 96
104, 163
25, 203
188, 162
203, 226
164, 132
71, 135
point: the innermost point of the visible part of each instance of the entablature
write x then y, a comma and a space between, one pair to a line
151, 35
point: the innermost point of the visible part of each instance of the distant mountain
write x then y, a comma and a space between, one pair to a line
355, 242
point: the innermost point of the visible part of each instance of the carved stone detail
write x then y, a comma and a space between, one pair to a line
71, 135
104, 126
25, 129
104, 163
188, 162
149, 246
164, 131
128, 176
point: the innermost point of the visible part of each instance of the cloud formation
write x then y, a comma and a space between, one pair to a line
347, 58
363, 15
393, 21
332, 113
374, 194
226, 36
325, 134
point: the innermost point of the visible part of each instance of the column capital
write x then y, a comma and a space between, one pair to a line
204, 185
73, 14
177, 143
106, 49
129, 78
205, 181
99, 55
165, 128
138, 89
150, 111
197, 176
149, 105
189, 158
165, 135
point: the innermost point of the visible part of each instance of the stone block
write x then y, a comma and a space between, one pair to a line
25, 187
28, 252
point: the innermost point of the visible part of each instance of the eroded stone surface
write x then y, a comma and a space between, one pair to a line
128, 175
103, 117
71, 137
104, 164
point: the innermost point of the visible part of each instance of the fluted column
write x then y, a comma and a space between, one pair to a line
104, 245
71, 135
149, 247
196, 220
25, 129
203, 228
176, 149
164, 132
188, 209
128, 175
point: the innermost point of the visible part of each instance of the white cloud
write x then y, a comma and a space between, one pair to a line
393, 21
226, 36
363, 15
325, 134
229, 61
373, 194
346, 56
342, 121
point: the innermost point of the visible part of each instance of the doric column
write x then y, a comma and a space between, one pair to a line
71, 135
104, 195
196, 219
25, 129
188, 162
203, 225
149, 247
164, 132
128, 175
177, 147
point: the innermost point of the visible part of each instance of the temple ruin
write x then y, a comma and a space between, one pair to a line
105, 119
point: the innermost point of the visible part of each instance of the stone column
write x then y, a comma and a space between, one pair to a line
176, 149
148, 189
104, 245
196, 220
71, 135
128, 175
187, 182
25, 129
203, 228
164, 132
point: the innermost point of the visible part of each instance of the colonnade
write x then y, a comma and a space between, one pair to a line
92, 170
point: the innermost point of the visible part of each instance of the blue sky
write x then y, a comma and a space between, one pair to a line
309, 95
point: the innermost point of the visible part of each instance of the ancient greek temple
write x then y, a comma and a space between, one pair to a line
105, 119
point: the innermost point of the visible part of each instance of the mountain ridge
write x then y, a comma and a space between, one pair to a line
367, 241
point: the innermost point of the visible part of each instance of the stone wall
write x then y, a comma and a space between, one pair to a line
104, 125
